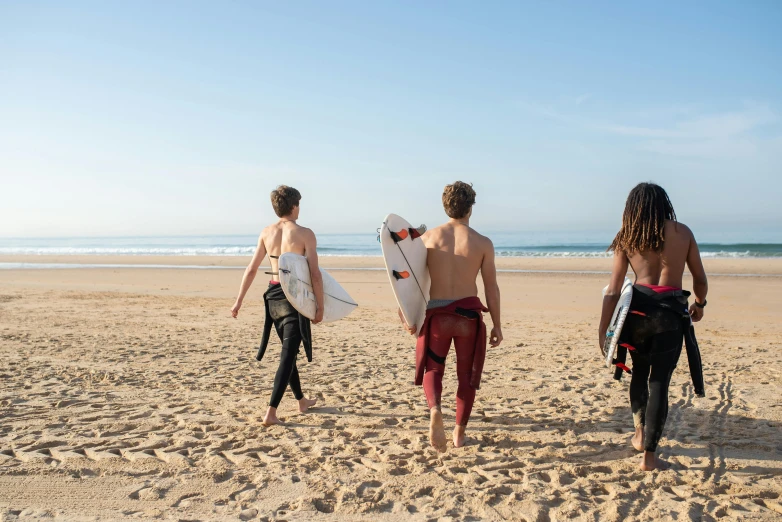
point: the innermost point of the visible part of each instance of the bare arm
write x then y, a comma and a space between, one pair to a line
489, 275
700, 284
249, 275
311, 252
618, 274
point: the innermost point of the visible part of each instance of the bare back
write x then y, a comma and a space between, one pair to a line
282, 237
666, 268
455, 254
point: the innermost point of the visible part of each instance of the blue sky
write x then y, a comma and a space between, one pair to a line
145, 118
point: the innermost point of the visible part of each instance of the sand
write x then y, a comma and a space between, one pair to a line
132, 393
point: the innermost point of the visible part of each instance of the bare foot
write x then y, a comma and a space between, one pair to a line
458, 436
436, 429
651, 462
638, 439
305, 404
270, 418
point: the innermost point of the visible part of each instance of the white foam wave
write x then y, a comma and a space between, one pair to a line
136, 251
249, 250
576, 254
723, 254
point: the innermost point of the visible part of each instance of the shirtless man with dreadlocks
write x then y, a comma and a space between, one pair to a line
657, 248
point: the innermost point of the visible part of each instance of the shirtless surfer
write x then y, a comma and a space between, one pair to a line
657, 248
292, 328
455, 255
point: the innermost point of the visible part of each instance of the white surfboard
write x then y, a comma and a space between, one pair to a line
404, 254
617, 320
294, 276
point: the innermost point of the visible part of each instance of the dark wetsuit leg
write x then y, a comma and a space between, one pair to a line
287, 373
639, 390
652, 382
442, 331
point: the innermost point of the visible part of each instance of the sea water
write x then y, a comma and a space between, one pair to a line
527, 244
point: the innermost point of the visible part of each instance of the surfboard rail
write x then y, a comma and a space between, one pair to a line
621, 310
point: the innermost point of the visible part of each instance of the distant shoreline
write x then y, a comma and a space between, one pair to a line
506, 245
736, 266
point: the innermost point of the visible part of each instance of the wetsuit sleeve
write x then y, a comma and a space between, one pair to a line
694, 361
267, 329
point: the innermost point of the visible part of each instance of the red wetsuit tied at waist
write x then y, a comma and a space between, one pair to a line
660, 289
472, 304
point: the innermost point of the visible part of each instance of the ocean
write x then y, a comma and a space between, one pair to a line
532, 244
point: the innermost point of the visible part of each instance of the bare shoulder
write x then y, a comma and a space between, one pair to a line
484, 241
432, 235
682, 230
436, 231
305, 233
266, 232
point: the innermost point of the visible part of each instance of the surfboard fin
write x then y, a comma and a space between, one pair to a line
417, 232
411, 232
401, 275
399, 236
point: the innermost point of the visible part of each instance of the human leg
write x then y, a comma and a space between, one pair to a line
639, 397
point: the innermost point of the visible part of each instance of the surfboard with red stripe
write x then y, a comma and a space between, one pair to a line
404, 254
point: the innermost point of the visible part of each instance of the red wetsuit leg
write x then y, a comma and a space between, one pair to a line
442, 330
465, 348
439, 343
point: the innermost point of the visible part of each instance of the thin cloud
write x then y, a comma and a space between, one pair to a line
729, 134
712, 149
629, 130
581, 99
721, 125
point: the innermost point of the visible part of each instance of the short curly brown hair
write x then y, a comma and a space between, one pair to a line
458, 199
284, 200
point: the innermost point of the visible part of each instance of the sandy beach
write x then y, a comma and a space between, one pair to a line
131, 393
738, 266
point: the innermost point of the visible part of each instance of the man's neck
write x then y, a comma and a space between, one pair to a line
462, 221
287, 220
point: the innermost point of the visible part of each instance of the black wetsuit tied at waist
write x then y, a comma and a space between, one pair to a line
656, 324
280, 313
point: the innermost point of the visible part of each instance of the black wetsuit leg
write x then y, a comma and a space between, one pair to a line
639, 389
649, 387
287, 373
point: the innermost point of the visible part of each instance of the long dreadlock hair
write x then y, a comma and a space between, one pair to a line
643, 221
